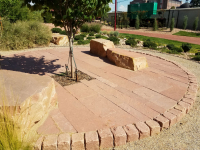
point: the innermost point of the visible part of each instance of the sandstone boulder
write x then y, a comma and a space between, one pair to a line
125, 59
59, 39
100, 46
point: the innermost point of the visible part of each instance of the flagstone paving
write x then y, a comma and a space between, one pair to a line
116, 97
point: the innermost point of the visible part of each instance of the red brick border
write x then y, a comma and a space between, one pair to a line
107, 138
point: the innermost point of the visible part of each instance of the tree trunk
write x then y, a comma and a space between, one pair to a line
71, 57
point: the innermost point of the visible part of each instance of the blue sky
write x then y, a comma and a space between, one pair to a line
122, 6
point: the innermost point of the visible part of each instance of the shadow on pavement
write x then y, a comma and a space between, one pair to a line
29, 64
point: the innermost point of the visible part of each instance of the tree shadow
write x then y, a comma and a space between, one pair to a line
29, 64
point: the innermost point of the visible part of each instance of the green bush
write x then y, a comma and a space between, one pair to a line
137, 22
85, 28
111, 34
116, 33
90, 37
131, 42
174, 49
185, 22
83, 34
198, 53
24, 34
155, 25
195, 25
186, 47
104, 37
148, 43
63, 32
98, 36
78, 37
91, 34
93, 27
83, 42
172, 25
114, 39
105, 32
196, 58
56, 30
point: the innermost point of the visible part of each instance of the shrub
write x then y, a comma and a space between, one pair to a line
83, 42
24, 34
98, 36
155, 25
56, 30
173, 7
78, 37
137, 22
185, 22
105, 32
116, 33
111, 34
170, 46
172, 25
114, 39
196, 57
96, 28
90, 37
131, 42
198, 53
104, 37
195, 25
85, 28
186, 47
91, 34
63, 32
83, 34
150, 44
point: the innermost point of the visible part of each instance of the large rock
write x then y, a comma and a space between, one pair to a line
33, 95
99, 47
125, 59
59, 39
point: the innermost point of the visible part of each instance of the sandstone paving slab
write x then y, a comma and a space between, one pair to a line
116, 97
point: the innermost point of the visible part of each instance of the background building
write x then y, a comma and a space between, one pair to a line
162, 4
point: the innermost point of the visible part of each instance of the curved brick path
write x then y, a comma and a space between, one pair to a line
111, 103
192, 40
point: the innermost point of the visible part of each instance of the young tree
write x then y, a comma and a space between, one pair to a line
185, 22
172, 25
71, 14
195, 25
137, 22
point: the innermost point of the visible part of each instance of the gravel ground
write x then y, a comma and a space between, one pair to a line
185, 135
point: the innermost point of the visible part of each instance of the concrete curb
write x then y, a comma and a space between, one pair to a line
118, 136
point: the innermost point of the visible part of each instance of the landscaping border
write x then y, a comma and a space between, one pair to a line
119, 136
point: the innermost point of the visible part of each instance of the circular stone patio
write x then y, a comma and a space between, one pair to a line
118, 106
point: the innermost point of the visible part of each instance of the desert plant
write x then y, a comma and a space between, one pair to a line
116, 33
131, 42
63, 32
186, 47
90, 37
114, 39
98, 36
155, 25
148, 43
185, 22
83, 42
56, 30
96, 28
172, 25
105, 32
91, 34
196, 58
85, 28
78, 37
173, 7
111, 34
24, 34
83, 34
137, 22
195, 25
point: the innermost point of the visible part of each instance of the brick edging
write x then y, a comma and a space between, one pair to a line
118, 136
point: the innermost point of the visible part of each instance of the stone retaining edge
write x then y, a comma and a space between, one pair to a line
119, 136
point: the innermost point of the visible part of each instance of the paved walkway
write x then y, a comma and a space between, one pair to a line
116, 97
192, 40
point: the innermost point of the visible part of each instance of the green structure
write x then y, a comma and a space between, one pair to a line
146, 9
